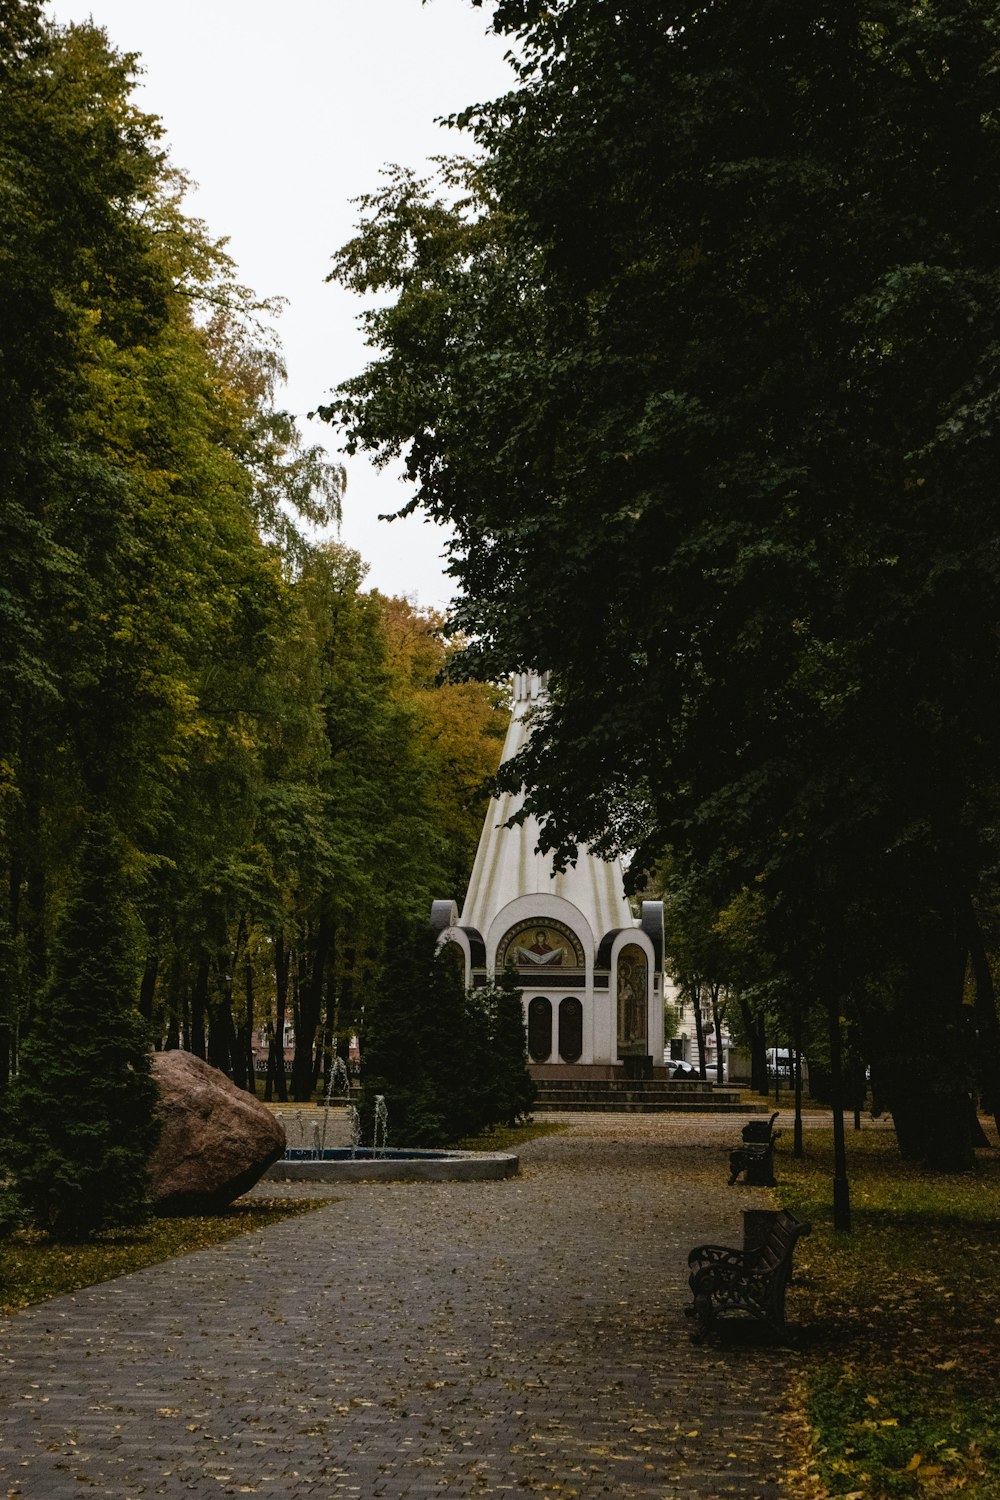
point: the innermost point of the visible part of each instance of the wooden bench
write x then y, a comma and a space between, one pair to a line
751, 1281
755, 1158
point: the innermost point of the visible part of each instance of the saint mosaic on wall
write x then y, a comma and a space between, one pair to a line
632, 982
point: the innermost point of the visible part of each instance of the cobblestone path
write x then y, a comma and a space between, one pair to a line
509, 1339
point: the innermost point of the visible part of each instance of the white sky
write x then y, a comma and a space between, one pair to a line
282, 113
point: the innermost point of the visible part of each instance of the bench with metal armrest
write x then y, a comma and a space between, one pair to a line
752, 1281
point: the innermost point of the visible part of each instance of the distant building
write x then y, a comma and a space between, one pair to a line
591, 974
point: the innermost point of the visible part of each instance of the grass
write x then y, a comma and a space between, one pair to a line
34, 1268
901, 1318
508, 1137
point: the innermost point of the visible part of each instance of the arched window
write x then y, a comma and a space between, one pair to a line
539, 1029
570, 1029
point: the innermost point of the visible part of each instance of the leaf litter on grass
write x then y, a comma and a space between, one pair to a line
34, 1268
901, 1388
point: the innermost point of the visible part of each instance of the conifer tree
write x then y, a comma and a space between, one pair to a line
83, 1109
513, 1091
450, 1062
411, 1041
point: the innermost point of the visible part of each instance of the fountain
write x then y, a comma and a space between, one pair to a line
354, 1120
338, 1081
380, 1134
379, 1161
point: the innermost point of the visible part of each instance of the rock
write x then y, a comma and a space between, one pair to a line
216, 1140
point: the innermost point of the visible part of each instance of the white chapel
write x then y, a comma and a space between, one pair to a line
591, 974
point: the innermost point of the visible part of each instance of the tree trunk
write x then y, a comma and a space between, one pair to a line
841, 1186
247, 1035
699, 1027
273, 1064
330, 1024
10, 1002
33, 918
987, 1021
220, 1027
310, 1009
717, 1024
276, 1051
199, 999
173, 1006
926, 1069
147, 989
754, 1029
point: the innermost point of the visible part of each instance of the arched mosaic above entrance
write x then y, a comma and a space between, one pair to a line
632, 978
539, 945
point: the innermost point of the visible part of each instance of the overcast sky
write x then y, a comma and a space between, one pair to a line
282, 114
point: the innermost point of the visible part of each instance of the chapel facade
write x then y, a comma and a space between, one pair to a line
590, 973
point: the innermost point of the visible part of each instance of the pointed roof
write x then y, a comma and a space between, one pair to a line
507, 864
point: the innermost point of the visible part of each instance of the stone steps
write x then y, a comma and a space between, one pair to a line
649, 1096
643, 1107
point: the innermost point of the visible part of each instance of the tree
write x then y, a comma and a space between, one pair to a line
413, 1041
83, 1109
513, 1089
697, 959
449, 1062
148, 494
700, 362
458, 728
130, 553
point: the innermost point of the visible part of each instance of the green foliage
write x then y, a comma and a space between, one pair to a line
268, 737
699, 360
83, 1120
509, 1088
671, 1019
899, 1321
931, 1434
449, 1062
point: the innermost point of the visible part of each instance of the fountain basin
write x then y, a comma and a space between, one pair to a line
390, 1164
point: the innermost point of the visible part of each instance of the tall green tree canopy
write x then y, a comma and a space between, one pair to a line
279, 768
700, 368
700, 359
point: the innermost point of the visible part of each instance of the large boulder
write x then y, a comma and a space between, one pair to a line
215, 1141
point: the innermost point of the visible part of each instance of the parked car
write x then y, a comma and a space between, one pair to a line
683, 1070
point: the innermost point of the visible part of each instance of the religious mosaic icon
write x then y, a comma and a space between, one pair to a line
539, 946
632, 971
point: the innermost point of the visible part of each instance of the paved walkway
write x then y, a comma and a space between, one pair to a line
509, 1339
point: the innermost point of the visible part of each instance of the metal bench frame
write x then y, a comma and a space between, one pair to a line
725, 1281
